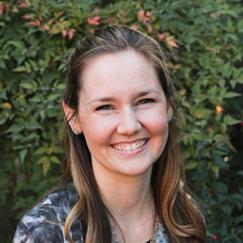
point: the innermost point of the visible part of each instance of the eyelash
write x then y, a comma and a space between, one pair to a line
145, 101
104, 107
140, 102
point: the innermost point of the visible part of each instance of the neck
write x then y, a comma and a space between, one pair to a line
130, 202
126, 197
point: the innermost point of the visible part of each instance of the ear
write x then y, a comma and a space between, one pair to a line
71, 118
169, 113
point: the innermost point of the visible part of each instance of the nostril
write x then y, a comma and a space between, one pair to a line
128, 122
128, 130
129, 127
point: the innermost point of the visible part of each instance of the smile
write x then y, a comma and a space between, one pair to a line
130, 147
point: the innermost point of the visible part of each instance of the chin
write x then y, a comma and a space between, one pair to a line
138, 171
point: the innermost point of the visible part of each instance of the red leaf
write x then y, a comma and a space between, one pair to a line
23, 5
1, 9
64, 33
71, 33
143, 16
94, 20
34, 23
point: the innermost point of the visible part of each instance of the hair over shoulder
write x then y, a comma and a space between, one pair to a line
174, 205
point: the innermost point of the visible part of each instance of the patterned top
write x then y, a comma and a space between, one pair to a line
45, 221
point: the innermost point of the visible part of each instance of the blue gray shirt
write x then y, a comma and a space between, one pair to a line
45, 221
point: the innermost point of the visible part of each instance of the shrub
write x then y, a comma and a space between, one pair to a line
204, 43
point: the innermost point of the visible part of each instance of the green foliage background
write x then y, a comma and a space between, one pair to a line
204, 42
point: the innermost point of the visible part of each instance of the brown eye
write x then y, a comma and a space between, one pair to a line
104, 107
146, 101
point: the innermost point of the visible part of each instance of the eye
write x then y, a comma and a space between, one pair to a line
104, 107
145, 101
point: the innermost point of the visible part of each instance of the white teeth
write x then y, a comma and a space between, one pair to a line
129, 147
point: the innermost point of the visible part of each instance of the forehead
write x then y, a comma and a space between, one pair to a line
118, 71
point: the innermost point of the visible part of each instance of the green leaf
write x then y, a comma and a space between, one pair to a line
215, 169
42, 160
232, 94
191, 165
54, 160
23, 154
229, 120
17, 44
15, 128
2, 64
20, 69
46, 166
201, 113
40, 151
28, 85
45, 161
54, 97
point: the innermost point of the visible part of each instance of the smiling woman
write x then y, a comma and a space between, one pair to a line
124, 179
125, 126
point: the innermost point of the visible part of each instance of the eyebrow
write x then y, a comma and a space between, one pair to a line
110, 99
147, 92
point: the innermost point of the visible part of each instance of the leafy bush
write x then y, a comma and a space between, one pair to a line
203, 40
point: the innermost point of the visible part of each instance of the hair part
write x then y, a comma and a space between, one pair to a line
179, 213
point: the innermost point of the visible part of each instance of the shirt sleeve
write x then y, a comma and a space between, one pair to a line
45, 221
39, 232
22, 234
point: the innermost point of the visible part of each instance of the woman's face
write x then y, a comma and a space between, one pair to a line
123, 114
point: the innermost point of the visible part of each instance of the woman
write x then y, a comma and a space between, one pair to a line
124, 180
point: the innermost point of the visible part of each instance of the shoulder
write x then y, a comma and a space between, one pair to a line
45, 221
159, 232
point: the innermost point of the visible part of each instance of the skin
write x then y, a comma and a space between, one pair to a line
124, 116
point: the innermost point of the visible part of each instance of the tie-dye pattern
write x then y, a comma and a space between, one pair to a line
45, 221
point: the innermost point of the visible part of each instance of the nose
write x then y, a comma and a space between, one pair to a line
128, 123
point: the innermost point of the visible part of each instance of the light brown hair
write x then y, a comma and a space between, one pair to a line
175, 207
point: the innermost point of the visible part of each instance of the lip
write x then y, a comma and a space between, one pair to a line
130, 152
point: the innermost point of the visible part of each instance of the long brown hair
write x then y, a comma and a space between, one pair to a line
175, 207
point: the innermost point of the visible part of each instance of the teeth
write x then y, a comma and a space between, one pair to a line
128, 147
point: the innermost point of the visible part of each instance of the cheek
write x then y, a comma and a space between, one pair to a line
159, 130
156, 123
98, 131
